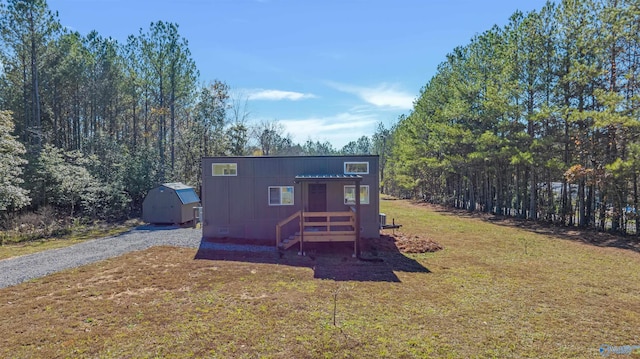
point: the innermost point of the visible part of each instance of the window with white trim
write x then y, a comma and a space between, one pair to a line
224, 169
350, 194
356, 168
281, 195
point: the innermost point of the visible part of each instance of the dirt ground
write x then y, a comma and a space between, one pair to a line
404, 243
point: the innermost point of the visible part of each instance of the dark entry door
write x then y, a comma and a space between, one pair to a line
317, 197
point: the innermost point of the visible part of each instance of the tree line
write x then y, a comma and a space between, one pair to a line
537, 119
88, 125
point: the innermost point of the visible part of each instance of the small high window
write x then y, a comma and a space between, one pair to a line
225, 169
350, 194
356, 168
281, 195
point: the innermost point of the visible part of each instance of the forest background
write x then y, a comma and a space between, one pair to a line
537, 119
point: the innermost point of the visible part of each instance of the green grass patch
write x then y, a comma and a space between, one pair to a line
493, 292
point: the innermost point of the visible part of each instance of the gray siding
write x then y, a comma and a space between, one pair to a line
238, 206
162, 205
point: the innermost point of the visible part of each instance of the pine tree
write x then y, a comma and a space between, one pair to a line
12, 195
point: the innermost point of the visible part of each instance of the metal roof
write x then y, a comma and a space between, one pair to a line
177, 185
328, 177
187, 196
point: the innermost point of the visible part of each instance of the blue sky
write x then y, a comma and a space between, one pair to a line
327, 70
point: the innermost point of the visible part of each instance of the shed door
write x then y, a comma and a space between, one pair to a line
317, 198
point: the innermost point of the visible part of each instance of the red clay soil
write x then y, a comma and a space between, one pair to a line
406, 244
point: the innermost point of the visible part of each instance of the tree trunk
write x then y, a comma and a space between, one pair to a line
37, 124
581, 204
533, 195
591, 198
135, 122
635, 201
603, 208
550, 210
173, 126
518, 193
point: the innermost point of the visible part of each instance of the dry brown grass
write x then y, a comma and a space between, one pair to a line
494, 291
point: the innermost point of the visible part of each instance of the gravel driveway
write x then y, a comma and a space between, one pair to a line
19, 269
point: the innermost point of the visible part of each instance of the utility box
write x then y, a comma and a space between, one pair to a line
382, 219
170, 203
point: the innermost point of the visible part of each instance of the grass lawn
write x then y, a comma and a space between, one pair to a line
494, 291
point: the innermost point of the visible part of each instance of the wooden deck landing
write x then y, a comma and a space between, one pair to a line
318, 227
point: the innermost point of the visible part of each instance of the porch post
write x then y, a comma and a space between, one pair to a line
301, 252
357, 243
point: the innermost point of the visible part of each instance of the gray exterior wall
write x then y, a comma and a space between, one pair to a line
238, 206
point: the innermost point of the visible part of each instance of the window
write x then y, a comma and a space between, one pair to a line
353, 168
225, 169
350, 194
281, 195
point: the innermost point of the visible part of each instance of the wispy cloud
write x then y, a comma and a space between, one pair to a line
277, 95
382, 95
338, 129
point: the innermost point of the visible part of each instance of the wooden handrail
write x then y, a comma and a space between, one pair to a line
328, 233
329, 223
327, 214
289, 219
326, 222
282, 223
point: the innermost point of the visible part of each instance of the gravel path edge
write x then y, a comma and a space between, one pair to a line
20, 269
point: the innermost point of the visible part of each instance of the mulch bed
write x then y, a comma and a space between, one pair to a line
406, 244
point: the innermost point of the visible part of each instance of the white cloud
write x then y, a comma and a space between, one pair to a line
383, 95
338, 129
277, 95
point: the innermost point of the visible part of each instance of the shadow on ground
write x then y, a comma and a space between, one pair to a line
162, 227
327, 260
572, 233
156, 227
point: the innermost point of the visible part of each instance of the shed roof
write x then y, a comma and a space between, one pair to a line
186, 194
177, 185
328, 177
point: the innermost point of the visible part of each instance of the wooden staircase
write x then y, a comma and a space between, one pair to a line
318, 227
290, 241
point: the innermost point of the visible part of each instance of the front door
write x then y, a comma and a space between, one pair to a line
317, 197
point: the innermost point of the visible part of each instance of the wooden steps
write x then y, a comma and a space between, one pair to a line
318, 227
290, 241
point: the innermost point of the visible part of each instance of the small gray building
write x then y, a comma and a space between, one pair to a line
291, 200
170, 203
